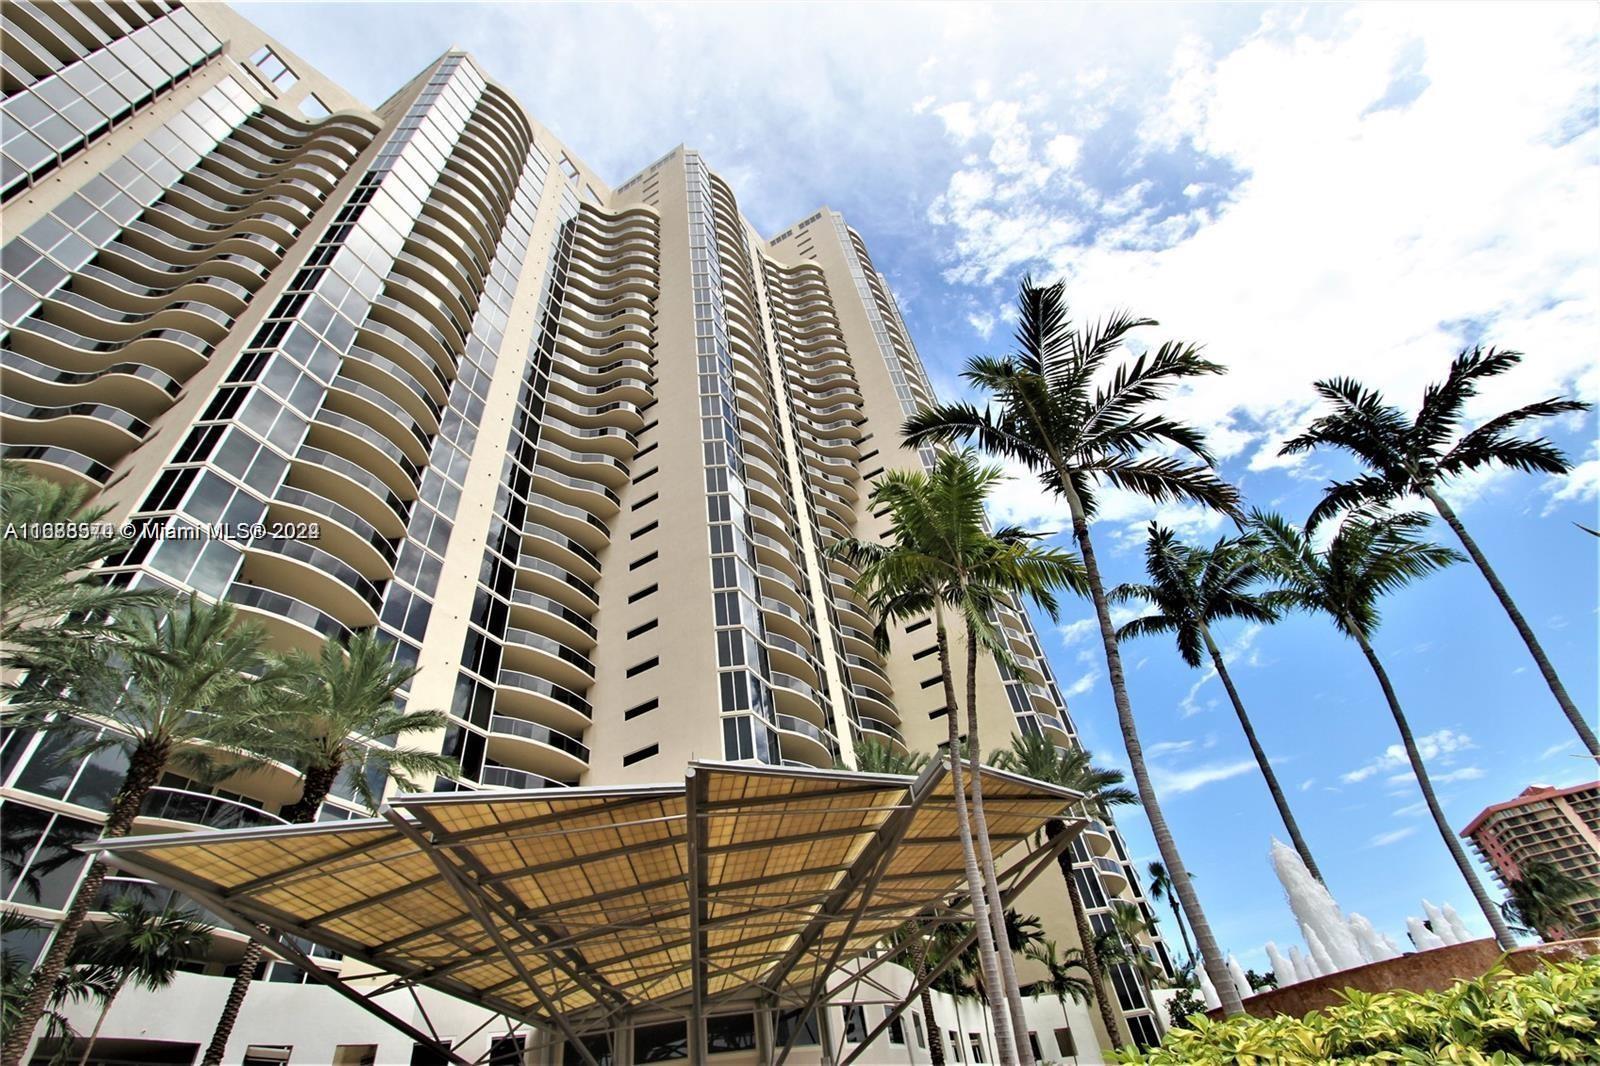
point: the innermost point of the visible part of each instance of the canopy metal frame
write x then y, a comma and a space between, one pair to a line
861, 898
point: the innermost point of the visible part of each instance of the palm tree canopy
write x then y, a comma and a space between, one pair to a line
50, 599
1405, 457
179, 676
1541, 898
1160, 882
939, 551
1370, 556
875, 757
340, 709
1051, 398
1191, 588
143, 946
1062, 982
1036, 756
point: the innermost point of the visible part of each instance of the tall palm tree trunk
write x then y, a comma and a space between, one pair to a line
1004, 1048
315, 786
1273, 787
991, 887
144, 770
919, 959
1183, 930
99, 1023
1525, 631
1502, 934
1091, 957
1210, 953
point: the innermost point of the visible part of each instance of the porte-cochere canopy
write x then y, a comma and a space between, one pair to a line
743, 885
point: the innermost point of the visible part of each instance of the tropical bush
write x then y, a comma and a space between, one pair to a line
1550, 1015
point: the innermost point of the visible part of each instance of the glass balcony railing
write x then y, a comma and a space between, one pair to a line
198, 808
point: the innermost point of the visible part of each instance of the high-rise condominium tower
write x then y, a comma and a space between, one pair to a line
1543, 824
577, 450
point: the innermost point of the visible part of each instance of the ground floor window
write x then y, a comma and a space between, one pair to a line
855, 1024
267, 1054
733, 1032
1033, 1046
789, 1020
916, 1024
897, 1027
977, 1047
422, 1054
955, 1046
506, 1050
1065, 1045
658, 1043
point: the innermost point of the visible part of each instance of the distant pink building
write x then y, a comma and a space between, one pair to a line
1560, 826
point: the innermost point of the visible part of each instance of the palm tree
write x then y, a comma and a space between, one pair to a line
1046, 412
1191, 589
334, 714
171, 692
1541, 900
940, 557
141, 946
1035, 756
1161, 888
1061, 982
1408, 458
1369, 556
50, 600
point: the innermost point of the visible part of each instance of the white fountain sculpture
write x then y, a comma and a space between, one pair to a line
1446, 923
1240, 981
1457, 926
1337, 942
1425, 938
1282, 968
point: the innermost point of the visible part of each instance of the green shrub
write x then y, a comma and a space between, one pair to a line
1550, 1015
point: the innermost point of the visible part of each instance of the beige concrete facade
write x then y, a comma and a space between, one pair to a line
578, 451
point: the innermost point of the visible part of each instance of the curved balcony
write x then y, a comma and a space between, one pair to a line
102, 431
188, 808
290, 624
540, 699
1097, 835
576, 524
589, 466
595, 497
557, 582
61, 465
870, 669
791, 655
785, 620
310, 574
343, 532
556, 545
142, 391
378, 412
803, 741
175, 352
884, 733
524, 745
1112, 874
552, 618
795, 696
776, 583
517, 780
870, 697
334, 477
548, 657
367, 448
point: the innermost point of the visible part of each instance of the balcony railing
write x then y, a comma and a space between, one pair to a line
198, 808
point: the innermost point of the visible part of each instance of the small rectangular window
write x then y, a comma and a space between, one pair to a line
955, 1046
644, 708
1033, 1045
652, 557
874, 472
940, 713
646, 475
648, 426
642, 530
914, 626
925, 652
646, 450
642, 593
932, 681
649, 664
647, 501
1065, 1045
897, 1028
977, 1047
855, 1023
643, 628
641, 755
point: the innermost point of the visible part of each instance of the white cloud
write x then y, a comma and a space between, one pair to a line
1557, 749
1444, 743
1240, 648
1082, 686
1581, 485
1305, 786
1168, 747
1355, 231
1173, 782
1393, 836
1412, 810
1078, 630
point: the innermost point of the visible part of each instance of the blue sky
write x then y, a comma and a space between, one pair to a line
1309, 192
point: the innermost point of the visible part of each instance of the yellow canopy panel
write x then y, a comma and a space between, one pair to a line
743, 882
